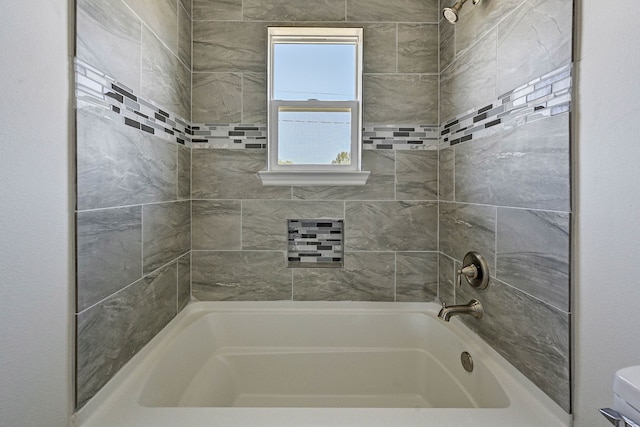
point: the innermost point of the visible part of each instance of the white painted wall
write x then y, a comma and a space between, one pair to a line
607, 187
35, 214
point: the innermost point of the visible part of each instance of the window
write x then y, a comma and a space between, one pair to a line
314, 107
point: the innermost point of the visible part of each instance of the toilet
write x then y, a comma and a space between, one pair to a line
626, 398
626, 393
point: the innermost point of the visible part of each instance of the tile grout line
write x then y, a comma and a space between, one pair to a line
495, 245
142, 240
395, 276
129, 285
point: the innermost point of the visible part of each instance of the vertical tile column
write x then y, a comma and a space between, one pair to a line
504, 175
133, 215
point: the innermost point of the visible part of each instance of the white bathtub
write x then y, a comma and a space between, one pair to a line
317, 364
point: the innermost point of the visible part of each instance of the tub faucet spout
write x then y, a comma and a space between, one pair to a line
473, 308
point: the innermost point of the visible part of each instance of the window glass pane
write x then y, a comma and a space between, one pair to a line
314, 137
303, 71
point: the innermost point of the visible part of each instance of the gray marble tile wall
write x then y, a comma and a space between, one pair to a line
365, 277
133, 218
133, 232
144, 44
97, 89
416, 276
532, 335
400, 55
240, 238
114, 329
497, 46
390, 224
240, 276
505, 192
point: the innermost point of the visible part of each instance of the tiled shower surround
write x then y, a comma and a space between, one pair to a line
158, 212
504, 190
133, 181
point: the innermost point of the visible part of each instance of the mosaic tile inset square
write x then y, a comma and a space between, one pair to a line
314, 243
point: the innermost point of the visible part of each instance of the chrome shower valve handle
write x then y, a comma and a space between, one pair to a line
475, 270
470, 272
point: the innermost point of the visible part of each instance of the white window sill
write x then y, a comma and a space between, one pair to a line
300, 178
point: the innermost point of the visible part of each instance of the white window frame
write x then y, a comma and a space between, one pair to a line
314, 174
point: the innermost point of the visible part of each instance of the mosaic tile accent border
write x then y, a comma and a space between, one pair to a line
314, 243
224, 135
543, 97
402, 137
375, 137
95, 88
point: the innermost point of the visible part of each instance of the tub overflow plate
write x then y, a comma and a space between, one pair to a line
467, 361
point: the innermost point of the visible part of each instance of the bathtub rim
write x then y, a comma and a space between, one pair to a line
132, 376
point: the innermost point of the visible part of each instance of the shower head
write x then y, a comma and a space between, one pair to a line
451, 13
